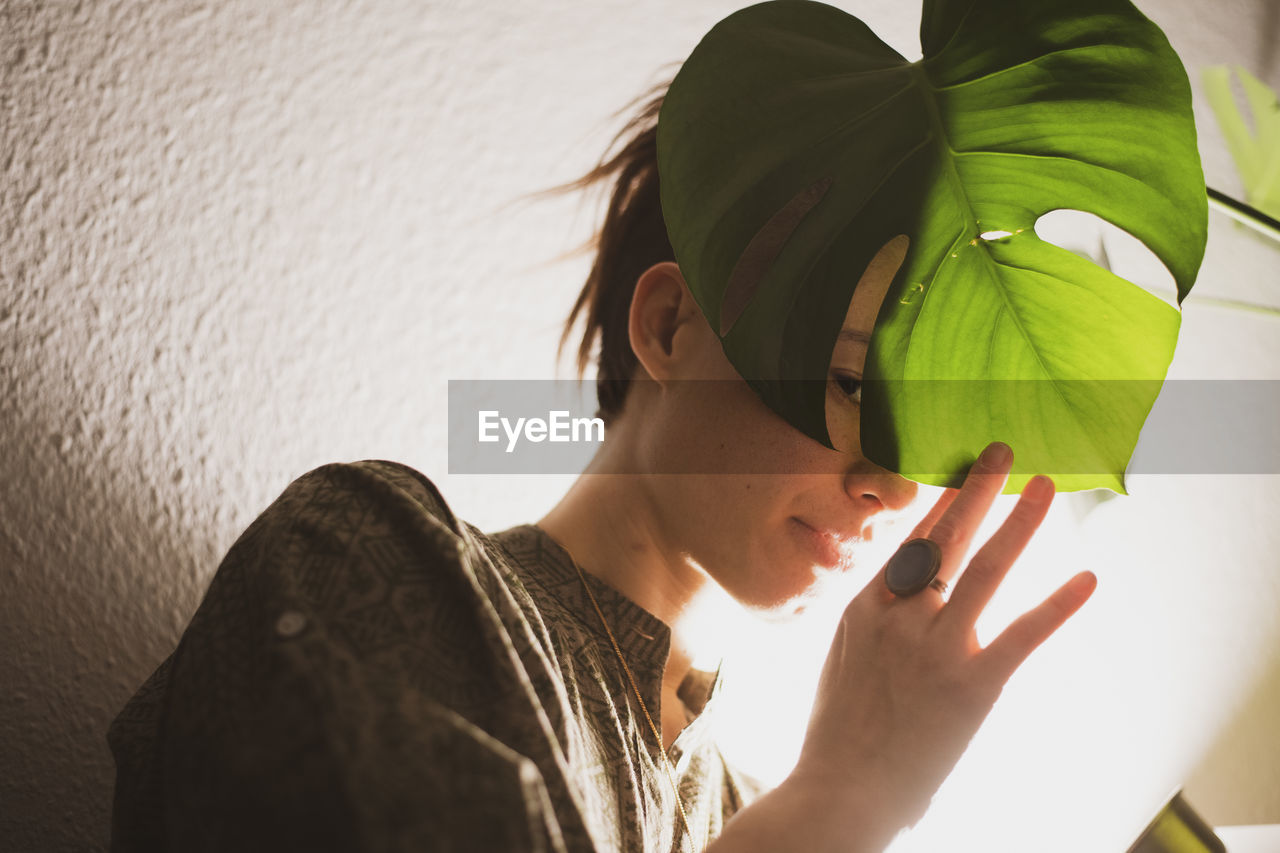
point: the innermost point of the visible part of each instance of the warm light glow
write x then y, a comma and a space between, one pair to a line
1103, 720
1120, 707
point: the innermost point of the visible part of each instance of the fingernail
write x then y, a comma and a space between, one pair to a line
1084, 583
1041, 487
996, 455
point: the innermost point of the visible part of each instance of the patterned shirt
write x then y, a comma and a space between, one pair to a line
368, 672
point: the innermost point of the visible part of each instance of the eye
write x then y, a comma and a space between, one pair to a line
850, 386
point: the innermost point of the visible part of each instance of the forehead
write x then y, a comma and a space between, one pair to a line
870, 291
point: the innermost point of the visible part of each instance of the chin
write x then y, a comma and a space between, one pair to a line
779, 602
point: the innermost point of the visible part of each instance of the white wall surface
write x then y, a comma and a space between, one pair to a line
241, 239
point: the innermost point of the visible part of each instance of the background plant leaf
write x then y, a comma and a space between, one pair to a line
1015, 110
1257, 152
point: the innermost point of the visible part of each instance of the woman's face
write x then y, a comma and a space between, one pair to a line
767, 536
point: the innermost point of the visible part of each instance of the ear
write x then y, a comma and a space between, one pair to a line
665, 325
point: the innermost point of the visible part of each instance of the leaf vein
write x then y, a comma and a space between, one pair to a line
1032, 61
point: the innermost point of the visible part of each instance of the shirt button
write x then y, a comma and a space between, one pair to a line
291, 623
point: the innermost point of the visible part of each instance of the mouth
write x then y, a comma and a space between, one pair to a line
827, 547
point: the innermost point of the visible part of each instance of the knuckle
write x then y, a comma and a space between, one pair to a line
1024, 512
982, 567
944, 533
1058, 608
899, 625
1023, 630
881, 635
1020, 632
894, 620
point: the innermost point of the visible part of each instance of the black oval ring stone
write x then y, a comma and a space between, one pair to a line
914, 565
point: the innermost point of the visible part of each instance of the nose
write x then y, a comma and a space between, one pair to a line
867, 482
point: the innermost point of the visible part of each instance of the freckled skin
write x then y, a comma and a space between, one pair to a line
737, 526
905, 684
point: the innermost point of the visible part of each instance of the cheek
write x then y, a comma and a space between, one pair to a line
717, 441
733, 517
842, 424
721, 427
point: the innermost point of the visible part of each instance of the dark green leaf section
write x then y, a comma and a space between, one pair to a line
1017, 109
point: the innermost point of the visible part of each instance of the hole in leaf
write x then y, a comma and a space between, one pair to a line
1109, 247
995, 235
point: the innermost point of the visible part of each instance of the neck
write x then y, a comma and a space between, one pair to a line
611, 528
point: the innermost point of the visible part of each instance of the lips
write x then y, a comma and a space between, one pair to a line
844, 536
823, 544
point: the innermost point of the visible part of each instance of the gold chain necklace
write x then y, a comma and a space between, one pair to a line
671, 773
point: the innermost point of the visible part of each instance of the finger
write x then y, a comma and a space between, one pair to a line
935, 512
922, 529
954, 530
987, 570
1025, 634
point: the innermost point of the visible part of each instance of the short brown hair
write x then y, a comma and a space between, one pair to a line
632, 238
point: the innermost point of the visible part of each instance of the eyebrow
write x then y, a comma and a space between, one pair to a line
856, 335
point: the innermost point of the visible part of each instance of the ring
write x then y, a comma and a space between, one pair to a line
913, 567
940, 585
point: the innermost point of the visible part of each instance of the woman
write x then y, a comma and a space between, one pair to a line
369, 672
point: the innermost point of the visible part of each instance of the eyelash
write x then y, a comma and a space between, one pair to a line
842, 379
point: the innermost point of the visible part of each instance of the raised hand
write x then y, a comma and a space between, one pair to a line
906, 684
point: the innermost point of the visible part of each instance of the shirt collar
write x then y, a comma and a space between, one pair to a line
644, 639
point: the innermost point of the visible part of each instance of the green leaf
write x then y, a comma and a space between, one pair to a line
794, 143
1257, 153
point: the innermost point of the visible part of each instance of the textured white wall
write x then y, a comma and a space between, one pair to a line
241, 239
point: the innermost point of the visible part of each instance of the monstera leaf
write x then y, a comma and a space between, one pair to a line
793, 144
